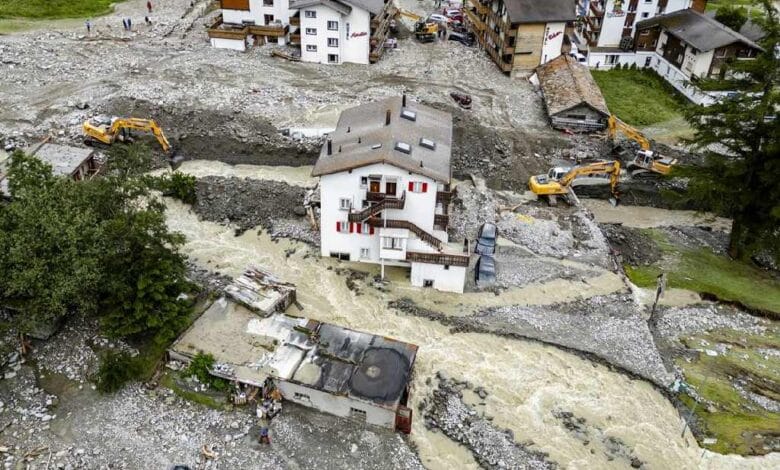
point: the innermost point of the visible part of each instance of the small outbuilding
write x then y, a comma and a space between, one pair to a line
78, 163
571, 95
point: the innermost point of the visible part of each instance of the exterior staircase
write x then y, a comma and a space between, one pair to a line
386, 203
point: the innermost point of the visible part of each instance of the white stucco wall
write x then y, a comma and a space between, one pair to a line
353, 45
448, 280
553, 41
234, 44
257, 11
337, 405
613, 23
418, 209
239, 16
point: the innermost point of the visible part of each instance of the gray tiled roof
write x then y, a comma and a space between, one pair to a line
377, 141
540, 11
700, 31
566, 84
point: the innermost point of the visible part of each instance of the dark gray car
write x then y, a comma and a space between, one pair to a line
485, 271
486, 240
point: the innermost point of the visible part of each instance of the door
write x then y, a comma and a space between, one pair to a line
373, 186
390, 188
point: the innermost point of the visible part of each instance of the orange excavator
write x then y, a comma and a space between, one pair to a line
107, 131
549, 187
646, 162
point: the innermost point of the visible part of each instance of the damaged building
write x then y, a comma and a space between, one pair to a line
571, 95
336, 370
78, 163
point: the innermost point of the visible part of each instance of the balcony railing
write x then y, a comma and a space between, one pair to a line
387, 203
421, 234
295, 21
220, 30
273, 30
441, 221
438, 258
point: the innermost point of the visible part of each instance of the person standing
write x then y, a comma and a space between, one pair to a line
124, 24
88, 24
129, 24
149, 5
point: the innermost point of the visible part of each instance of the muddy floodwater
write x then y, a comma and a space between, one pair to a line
527, 381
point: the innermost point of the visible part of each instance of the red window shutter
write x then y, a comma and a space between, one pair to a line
351, 227
338, 226
411, 186
425, 187
359, 227
371, 230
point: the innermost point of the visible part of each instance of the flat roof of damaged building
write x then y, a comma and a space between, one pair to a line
64, 160
417, 138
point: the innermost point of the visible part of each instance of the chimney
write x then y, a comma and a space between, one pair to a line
330, 147
387, 118
403, 100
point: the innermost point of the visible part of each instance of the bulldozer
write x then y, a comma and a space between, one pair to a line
554, 184
105, 131
646, 162
424, 30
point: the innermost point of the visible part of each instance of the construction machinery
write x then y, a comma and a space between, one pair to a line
547, 185
425, 30
102, 130
646, 162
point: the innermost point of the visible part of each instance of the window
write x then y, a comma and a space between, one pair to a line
427, 282
268, 3
446, 267
427, 143
333, 58
333, 25
311, 48
403, 147
418, 187
358, 414
410, 115
311, 31
333, 42
365, 253
340, 256
392, 243
647, 61
345, 203
613, 59
580, 117
301, 396
269, 19
363, 181
310, 14
644, 32
645, 14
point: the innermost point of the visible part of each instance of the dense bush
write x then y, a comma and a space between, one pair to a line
116, 369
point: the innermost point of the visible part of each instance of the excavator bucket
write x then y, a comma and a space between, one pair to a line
175, 159
614, 201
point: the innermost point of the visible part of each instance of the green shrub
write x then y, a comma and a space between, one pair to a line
200, 368
116, 369
178, 186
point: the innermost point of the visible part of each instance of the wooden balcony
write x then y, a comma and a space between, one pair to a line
387, 203
479, 25
295, 38
441, 221
481, 8
446, 259
443, 197
220, 30
273, 30
295, 21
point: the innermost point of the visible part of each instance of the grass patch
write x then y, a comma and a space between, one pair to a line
52, 9
732, 419
701, 270
206, 400
639, 97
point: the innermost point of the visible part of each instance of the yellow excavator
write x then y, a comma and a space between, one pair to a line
106, 131
646, 162
424, 30
550, 187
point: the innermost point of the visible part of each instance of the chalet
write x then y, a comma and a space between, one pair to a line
520, 34
573, 99
385, 180
322, 31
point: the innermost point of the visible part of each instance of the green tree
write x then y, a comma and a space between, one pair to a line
732, 16
740, 137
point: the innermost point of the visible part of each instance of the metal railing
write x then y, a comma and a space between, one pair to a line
387, 203
438, 258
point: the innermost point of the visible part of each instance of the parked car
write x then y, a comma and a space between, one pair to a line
486, 240
450, 12
467, 39
485, 271
435, 17
578, 57
463, 100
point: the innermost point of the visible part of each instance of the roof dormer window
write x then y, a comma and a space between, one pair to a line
427, 143
376, 146
410, 115
403, 147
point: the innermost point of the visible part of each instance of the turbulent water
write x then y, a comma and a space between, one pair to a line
527, 381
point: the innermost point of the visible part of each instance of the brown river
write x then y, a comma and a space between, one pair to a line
527, 381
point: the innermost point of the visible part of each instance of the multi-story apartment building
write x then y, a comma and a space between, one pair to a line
519, 35
385, 189
606, 27
326, 31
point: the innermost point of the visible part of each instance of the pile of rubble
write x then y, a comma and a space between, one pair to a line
492, 447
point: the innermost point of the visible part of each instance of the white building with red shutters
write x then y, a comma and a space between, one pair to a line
385, 180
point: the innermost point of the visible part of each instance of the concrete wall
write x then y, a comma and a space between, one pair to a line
353, 45
336, 405
553, 41
234, 44
419, 209
451, 279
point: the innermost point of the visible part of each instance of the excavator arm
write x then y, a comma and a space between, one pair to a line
610, 168
615, 125
146, 125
